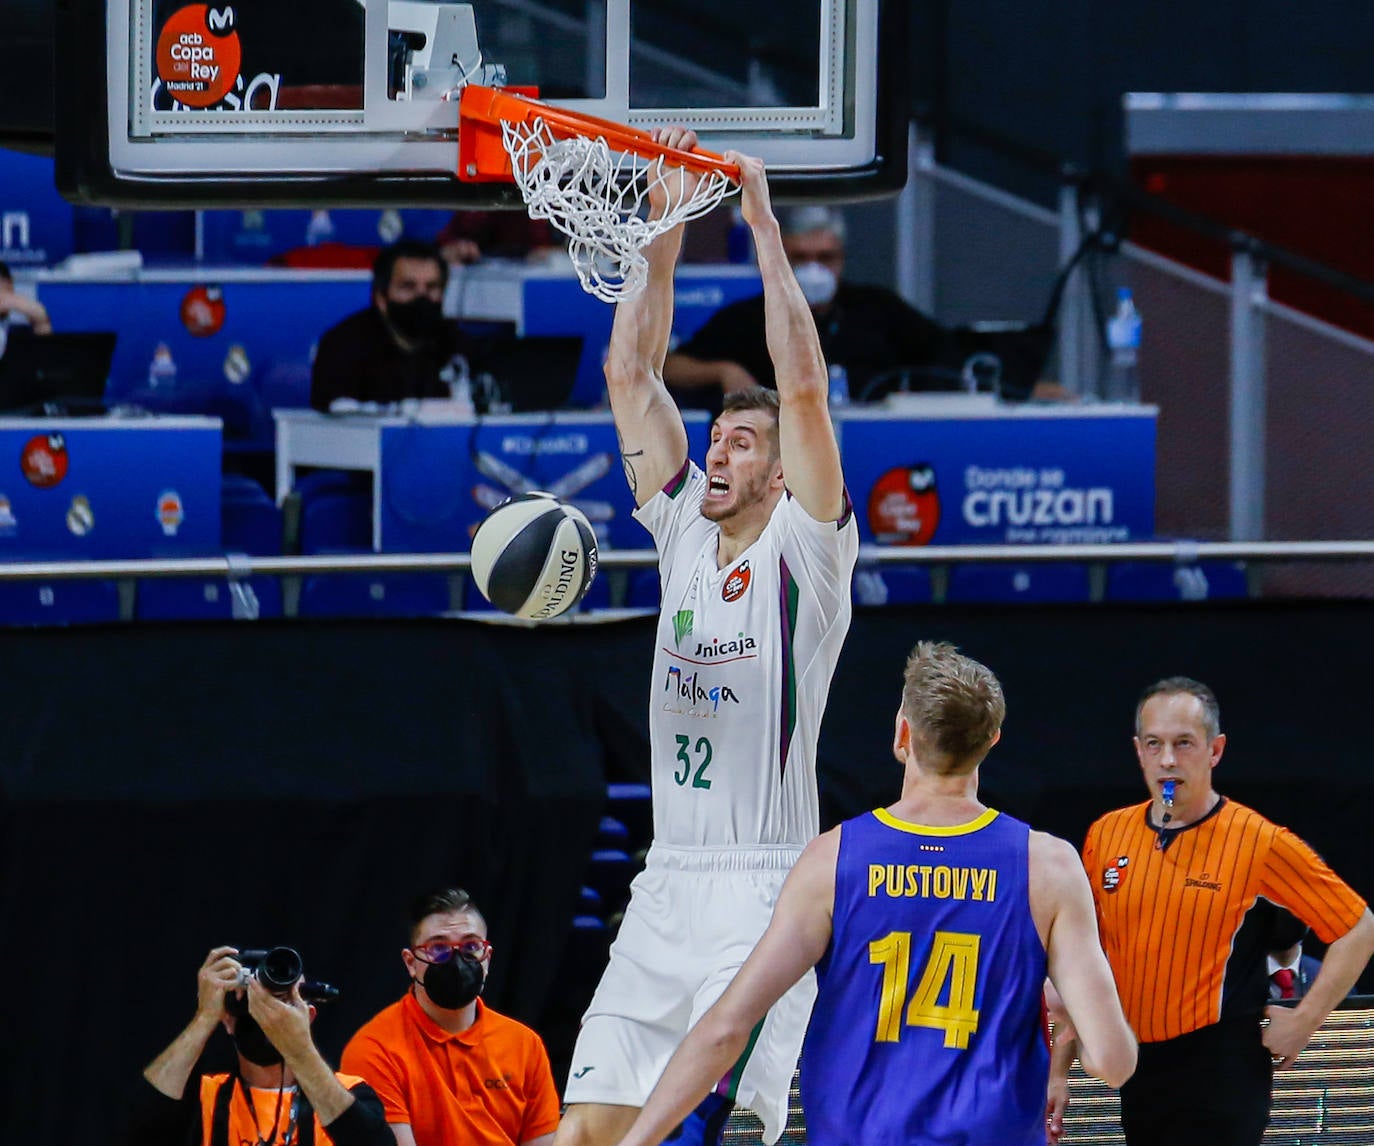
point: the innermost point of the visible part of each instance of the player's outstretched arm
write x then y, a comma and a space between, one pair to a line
810, 454
793, 944
653, 440
1078, 967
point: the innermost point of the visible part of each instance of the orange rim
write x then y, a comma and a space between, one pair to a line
482, 154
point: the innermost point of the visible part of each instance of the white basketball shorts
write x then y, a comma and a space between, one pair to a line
694, 917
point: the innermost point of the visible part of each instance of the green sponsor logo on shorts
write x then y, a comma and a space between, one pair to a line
682, 625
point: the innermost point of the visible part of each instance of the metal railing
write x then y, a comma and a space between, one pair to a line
239, 566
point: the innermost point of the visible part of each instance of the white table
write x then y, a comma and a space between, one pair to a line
336, 442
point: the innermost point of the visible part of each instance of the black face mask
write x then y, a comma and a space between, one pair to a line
419, 318
253, 1044
454, 984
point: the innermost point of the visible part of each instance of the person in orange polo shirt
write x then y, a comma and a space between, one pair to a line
281, 1092
1186, 887
448, 1068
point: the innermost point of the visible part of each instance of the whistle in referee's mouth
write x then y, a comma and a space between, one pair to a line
1167, 790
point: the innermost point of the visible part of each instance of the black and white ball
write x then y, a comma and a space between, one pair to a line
534, 556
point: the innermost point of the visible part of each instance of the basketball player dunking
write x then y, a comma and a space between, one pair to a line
756, 553
931, 925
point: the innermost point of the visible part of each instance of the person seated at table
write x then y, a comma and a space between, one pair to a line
20, 316
401, 346
470, 236
868, 330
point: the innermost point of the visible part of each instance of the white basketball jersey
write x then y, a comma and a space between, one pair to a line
742, 669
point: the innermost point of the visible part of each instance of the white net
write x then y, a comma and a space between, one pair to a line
597, 197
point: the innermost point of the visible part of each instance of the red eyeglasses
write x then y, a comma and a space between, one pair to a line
441, 951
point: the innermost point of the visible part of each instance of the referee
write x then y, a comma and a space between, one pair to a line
1186, 887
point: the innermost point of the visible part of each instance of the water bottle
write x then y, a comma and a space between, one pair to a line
1123, 340
839, 386
320, 229
459, 379
162, 370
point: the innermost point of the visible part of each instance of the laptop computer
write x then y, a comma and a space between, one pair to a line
56, 373
530, 375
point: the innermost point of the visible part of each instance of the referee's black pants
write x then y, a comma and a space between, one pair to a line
1211, 1087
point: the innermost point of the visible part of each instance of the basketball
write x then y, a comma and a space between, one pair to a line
534, 556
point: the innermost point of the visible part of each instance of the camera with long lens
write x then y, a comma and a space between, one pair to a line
278, 969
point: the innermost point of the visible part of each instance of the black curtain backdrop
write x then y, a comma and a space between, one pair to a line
166, 789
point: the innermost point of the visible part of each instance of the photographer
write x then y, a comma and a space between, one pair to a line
449, 1069
283, 1093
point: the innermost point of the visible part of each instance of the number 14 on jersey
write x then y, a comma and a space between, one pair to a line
953, 960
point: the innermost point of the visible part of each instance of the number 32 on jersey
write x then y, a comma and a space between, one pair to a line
953, 961
692, 762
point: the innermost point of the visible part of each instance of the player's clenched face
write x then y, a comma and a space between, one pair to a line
1173, 744
742, 466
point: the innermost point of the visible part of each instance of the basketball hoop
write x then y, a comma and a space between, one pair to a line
590, 178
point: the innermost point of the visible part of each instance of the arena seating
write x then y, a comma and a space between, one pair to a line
58, 602
1020, 584
336, 522
1205, 581
375, 595
249, 523
206, 599
893, 585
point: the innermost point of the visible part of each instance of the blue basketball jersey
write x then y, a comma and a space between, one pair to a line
927, 1029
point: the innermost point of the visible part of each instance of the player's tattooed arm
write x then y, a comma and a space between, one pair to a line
627, 458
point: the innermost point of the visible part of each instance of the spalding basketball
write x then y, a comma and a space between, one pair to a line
534, 556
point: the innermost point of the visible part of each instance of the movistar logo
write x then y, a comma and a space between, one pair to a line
682, 625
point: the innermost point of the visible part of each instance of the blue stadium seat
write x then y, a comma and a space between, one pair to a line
589, 943
375, 595
201, 598
240, 487
337, 523
473, 601
285, 385
58, 602
250, 526
611, 833
237, 406
1156, 581
589, 902
893, 585
598, 594
632, 805
643, 591
321, 482
1042, 584
609, 873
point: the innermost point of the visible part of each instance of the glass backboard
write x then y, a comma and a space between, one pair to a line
261, 102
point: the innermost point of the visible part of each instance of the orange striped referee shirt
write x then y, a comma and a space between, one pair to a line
1171, 916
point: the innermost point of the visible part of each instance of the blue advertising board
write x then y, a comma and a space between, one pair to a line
108, 488
255, 236
1028, 475
224, 337
36, 226
438, 481
559, 305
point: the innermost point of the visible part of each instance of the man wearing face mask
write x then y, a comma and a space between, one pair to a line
866, 329
398, 347
447, 1067
281, 1093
